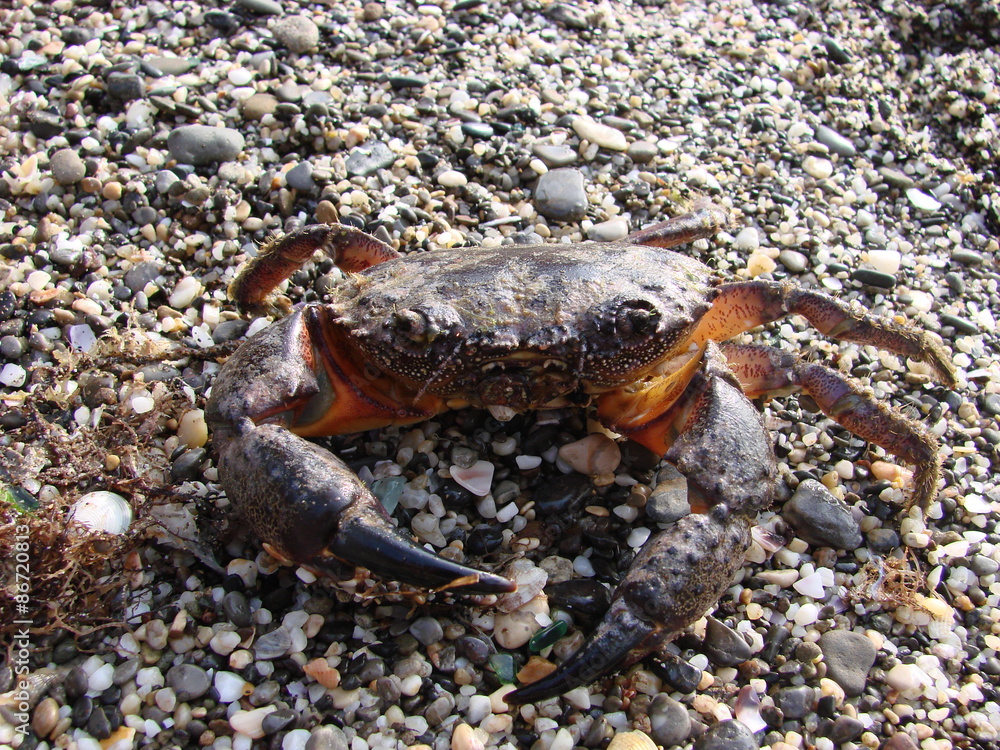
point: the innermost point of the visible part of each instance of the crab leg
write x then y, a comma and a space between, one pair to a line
741, 306
762, 369
349, 247
722, 448
704, 220
299, 498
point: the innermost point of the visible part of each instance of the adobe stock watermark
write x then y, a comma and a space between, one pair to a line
21, 646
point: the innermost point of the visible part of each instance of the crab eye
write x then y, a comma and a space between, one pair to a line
636, 318
412, 324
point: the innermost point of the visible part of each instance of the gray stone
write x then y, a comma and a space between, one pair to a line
272, 645
642, 152
173, 66
554, 156
848, 657
189, 681
561, 195
669, 722
427, 630
141, 274
257, 106
298, 33
327, 737
369, 157
67, 166
200, 144
727, 735
821, 519
669, 500
724, 646
834, 141
300, 177
264, 7
126, 87
235, 604
793, 260
795, 702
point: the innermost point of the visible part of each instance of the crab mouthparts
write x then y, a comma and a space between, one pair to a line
522, 381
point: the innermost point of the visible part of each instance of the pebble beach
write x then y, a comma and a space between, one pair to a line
148, 150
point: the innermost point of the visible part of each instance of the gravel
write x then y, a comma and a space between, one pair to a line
149, 149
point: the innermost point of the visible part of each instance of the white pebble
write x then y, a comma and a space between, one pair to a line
37, 280
480, 707
240, 76
507, 512
452, 178
747, 239
295, 740
13, 376
920, 199
82, 337
101, 679
583, 567
811, 585
249, 722
142, 404
230, 687
907, 679
527, 463
185, 292
808, 614
886, 261
638, 537
225, 642
603, 135
817, 167
477, 479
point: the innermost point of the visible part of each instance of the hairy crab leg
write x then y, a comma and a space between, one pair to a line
723, 449
297, 497
351, 249
741, 306
763, 369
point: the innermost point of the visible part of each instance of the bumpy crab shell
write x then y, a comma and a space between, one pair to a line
629, 327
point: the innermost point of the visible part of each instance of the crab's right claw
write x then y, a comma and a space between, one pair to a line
675, 579
312, 510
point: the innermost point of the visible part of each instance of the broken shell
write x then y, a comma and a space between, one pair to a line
632, 741
102, 512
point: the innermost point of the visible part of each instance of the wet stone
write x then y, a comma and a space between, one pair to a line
677, 673
125, 671
229, 330
563, 494
834, 141
554, 156
82, 709
299, 34
669, 500
642, 152
899, 741
669, 722
189, 681
187, 466
959, 324
126, 87
477, 130
848, 657
440, 709
278, 720
793, 260
387, 689
474, 648
300, 177
883, 540
795, 702
98, 725
201, 144
727, 735
845, 729
427, 630
724, 646
835, 51
237, 609
327, 737
561, 195
871, 277
407, 82
821, 519
369, 157
67, 166
272, 645
76, 683
580, 595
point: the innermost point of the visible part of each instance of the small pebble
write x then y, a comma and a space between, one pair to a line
298, 33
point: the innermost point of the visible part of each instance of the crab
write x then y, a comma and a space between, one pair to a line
630, 329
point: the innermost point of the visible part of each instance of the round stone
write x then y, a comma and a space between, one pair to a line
67, 166
258, 105
669, 722
554, 156
727, 735
299, 34
818, 167
834, 141
200, 145
189, 681
821, 519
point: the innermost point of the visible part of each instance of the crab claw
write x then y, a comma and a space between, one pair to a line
312, 510
675, 578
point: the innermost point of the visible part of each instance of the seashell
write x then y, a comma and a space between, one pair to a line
102, 512
632, 741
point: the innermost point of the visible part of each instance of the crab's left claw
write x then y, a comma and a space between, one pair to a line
676, 577
314, 511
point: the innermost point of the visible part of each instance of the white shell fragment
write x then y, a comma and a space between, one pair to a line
102, 512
